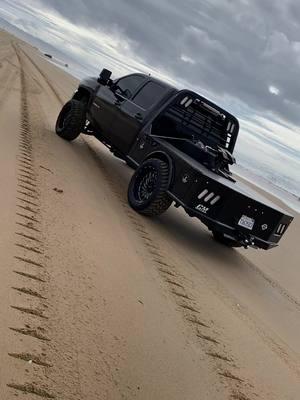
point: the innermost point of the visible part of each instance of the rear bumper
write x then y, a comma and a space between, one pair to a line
244, 238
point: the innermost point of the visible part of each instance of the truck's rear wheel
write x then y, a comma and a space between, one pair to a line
71, 120
147, 191
225, 240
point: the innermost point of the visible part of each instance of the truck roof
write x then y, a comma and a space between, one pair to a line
159, 81
175, 89
191, 92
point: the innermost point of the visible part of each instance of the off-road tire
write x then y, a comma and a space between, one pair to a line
159, 200
71, 120
228, 242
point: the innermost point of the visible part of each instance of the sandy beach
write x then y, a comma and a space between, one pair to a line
98, 302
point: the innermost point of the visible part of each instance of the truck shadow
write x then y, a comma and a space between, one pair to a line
194, 238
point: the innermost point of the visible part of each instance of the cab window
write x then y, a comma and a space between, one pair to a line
150, 94
127, 86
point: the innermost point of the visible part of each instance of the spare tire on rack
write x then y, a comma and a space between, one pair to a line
71, 120
147, 191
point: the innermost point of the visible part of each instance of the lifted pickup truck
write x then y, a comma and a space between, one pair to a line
180, 145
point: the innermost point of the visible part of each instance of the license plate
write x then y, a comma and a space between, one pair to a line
246, 222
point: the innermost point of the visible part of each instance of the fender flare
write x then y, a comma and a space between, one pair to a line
161, 155
84, 91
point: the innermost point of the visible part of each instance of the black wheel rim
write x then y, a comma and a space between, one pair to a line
64, 116
145, 184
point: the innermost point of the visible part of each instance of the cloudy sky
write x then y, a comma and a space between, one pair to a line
243, 54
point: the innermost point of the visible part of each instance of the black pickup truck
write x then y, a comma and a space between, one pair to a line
180, 145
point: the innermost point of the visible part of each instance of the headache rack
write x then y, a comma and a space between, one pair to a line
197, 118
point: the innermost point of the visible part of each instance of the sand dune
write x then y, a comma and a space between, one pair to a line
98, 302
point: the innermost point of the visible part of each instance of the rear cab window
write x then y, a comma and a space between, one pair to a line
149, 95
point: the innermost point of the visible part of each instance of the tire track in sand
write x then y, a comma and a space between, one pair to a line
44, 76
273, 342
193, 314
8, 76
31, 270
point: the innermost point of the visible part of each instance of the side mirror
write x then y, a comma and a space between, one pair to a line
104, 77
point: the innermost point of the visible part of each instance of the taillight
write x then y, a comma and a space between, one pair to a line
280, 229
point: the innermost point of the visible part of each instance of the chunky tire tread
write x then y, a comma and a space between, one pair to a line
74, 121
161, 201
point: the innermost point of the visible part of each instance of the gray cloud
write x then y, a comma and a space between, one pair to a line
243, 54
235, 48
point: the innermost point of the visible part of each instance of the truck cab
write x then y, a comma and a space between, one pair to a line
181, 146
119, 111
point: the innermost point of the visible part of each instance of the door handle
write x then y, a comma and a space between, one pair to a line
138, 116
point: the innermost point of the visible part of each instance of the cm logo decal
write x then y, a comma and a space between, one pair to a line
202, 208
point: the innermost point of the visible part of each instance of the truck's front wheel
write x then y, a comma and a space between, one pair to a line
147, 191
71, 120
